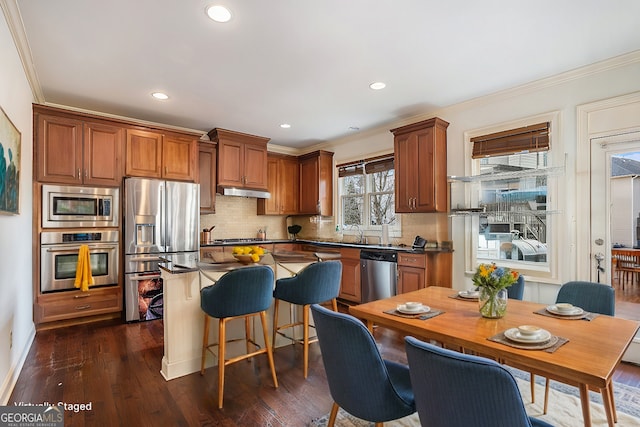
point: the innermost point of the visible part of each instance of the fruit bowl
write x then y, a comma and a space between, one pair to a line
248, 258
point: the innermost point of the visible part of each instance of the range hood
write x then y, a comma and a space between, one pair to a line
241, 192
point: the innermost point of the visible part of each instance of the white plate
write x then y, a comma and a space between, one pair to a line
422, 309
514, 335
469, 294
575, 312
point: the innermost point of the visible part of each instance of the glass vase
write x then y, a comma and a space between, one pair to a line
492, 303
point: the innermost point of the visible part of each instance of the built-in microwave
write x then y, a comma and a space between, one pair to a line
73, 207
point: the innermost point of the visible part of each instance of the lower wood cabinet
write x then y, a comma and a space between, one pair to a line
417, 271
76, 304
350, 287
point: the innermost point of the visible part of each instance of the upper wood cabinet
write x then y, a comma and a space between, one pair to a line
242, 160
71, 150
420, 152
155, 154
207, 176
283, 185
316, 183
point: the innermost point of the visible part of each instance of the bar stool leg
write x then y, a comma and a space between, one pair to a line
222, 343
275, 321
205, 343
263, 319
305, 339
247, 334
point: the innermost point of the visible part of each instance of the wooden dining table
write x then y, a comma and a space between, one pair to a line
587, 360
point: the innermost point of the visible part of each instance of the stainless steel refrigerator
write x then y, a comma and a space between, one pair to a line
161, 218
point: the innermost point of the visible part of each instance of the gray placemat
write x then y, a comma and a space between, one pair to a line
584, 316
549, 346
422, 316
456, 296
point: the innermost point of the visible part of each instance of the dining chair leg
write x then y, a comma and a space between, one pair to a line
205, 343
222, 341
334, 305
305, 339
333, 415
269, 347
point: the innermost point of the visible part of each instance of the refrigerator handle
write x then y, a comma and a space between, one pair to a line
163, 214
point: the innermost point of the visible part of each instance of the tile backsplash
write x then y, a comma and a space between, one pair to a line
236, 217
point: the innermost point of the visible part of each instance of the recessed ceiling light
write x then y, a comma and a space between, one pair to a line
285, 126
160, 95
218, 13
377, 85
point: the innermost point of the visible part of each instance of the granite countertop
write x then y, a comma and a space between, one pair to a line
327, 243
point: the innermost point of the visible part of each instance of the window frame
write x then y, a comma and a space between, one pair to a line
543, 272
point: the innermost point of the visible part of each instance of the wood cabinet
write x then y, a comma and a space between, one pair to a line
350, 287
207, 177
76, 304
411, 272
72, 150
155, 154
420, 155
282, 184
316, 183
417, 271
242, 160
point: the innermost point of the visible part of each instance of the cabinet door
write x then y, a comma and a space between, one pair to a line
58, 149
410, 279
254, 165
288, 186
103, 152
440, 268
350, 287
207, 177
406, 170
143, 154
178, 158
230, 163
309, 198
271, 206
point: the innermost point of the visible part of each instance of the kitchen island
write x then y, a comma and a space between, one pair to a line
183, 318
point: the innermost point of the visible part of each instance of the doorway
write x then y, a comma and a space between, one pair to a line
615, 164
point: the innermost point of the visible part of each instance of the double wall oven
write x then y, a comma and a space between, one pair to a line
75, 216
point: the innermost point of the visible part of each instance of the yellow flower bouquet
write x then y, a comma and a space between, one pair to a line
492, 282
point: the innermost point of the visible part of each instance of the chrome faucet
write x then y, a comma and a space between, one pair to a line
360, 238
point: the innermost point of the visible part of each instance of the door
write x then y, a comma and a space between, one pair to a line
602, 151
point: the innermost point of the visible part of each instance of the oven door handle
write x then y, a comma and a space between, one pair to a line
145, 277
75, 249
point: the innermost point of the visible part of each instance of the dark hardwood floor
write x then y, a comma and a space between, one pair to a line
115, 367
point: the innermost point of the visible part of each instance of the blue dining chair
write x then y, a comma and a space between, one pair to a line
242, 293
516, 291
316, 283
592, 297
360, 381
453, 389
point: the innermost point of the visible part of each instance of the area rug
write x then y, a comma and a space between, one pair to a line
565, 409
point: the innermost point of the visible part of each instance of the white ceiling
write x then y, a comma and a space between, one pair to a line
308, 63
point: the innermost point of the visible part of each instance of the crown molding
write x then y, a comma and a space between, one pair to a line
16, 27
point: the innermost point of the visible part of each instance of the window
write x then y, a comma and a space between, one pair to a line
367, 194
511, 189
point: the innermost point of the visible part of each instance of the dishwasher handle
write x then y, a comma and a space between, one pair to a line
388, 256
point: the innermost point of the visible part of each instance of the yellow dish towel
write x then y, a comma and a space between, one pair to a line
84, 279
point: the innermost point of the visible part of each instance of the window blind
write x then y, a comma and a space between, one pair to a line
525, 139
370, 165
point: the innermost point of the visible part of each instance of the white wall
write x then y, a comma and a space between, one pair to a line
16, 303
562, 94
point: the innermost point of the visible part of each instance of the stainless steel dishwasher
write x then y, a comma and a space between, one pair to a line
378, 274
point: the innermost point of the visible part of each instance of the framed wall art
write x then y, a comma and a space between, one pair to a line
9, 166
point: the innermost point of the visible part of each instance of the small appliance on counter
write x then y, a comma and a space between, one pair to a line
419, 243
294, 230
